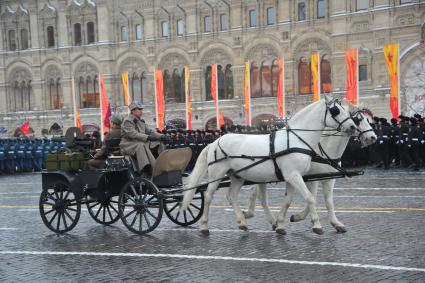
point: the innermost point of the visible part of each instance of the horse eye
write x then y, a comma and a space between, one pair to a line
334, 111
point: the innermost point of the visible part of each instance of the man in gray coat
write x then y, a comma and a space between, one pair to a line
135, 138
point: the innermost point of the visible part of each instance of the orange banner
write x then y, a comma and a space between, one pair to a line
248, 93
281, 89
315, 72
78, 121
187, 94
391, 57
124, 79
159, 100
214, 93
103, 106
351, 60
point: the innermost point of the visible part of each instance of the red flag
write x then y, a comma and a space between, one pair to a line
281, 89
25, 128
247, 93
391, 57
159, 100
214, 93
107, 121
78, 121
351, 60
187, 94
103, 106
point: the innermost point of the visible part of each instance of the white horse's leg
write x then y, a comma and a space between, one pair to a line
297, 181
208, 197
287, 199
262, 188
233, 199
329, 201
312, 187
251, 206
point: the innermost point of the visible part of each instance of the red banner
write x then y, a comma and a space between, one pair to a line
351, 60
214, 93
159, 100
391, 56
281, 89
78, 121
103, 106
315, 72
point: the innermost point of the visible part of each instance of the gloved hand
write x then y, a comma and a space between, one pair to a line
153, 138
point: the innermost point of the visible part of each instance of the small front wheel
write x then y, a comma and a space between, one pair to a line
59, 208
140, 206
104, 211
188, 217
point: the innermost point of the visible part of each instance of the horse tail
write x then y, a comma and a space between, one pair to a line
195, 178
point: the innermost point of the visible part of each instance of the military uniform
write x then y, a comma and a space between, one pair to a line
99, 158
135, 141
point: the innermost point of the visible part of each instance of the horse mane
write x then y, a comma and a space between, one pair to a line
301, 114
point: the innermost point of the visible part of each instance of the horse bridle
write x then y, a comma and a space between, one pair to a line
357, 118
334, 111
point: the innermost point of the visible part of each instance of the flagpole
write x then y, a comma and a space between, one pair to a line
74, 103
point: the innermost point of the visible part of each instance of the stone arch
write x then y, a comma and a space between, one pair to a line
19, 90
174, 58
263, 48
216, 54
53, 94
138, 81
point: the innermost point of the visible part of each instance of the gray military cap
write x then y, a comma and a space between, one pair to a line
116, 119
135, 104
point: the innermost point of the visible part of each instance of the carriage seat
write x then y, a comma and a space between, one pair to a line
169, 167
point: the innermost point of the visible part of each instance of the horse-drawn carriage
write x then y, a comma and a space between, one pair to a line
118, 192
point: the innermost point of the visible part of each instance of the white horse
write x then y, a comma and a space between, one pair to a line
334, 146
232, 153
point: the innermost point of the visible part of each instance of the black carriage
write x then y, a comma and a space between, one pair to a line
118, 192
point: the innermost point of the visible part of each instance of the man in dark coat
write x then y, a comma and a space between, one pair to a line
99, 158
136, 136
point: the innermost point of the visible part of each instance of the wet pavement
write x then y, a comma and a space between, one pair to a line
384, 212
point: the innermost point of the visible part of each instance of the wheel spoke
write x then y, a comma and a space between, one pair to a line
64, 221
128, 214
61, 195
72, 209
134, 190
59, 221
96, 203
69, 216
53, 218
56, 194
177, 215
67, 194
174, 207
150, 213
104, 213
195, 206
50, 196
134, 220
109, 212
48, 203
98, 211
185, 216
147, 220
191, 213
140, 222
113, 207
45, 213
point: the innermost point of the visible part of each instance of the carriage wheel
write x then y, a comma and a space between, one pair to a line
191, 215
59, 208
140, 206
104, 211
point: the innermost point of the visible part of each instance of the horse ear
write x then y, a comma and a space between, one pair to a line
328, 97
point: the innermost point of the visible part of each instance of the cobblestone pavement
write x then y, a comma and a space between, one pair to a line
383, 211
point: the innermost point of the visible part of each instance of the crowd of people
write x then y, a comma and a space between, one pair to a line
400, 143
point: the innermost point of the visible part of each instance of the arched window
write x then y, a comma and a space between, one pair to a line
325, 75
23, 96
208, 74
59, 101
220, 80
180, 27
12, 40
275, 77
96, 92
90, 33
255, 80
304, 77
183, 86
16, 91
321, 9
228, 82
135, 87
266, 80
168, 87
52, 93
77, 34
177, 85
24, 39
50, 36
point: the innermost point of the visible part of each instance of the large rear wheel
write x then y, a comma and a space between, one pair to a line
140, 206
104, 211
59, 208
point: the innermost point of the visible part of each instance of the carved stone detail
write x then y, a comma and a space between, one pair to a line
360, 26
20, 74
53, 72
86, 69
216, 56
48, 11
173, 61
133, 65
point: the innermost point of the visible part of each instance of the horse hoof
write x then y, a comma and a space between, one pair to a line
280, 231
274, 226
243, 228
318, 231
340, 229
205, 232
292, 219
247, 214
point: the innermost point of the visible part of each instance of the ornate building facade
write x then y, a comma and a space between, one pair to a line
44, 44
